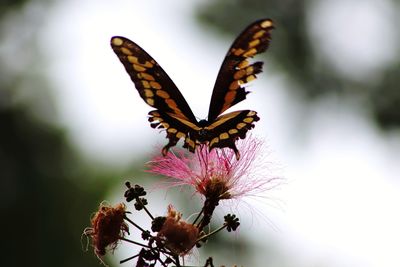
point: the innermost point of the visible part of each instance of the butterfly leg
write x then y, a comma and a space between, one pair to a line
172, 142
234, 148
231, 146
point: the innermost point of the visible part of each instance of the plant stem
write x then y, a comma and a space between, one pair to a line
210, 234
128, 259
198, 216
134, 224
134, 242
144, 207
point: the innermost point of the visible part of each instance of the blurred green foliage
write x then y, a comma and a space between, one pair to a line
46, 201
7, 5
48, 192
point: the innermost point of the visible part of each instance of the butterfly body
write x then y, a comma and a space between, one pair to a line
173, 113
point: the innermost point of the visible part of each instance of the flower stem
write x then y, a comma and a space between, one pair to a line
213, 232
134, 224
208, 209
176, 258
128, 259
198, 216
144, 207
134, 242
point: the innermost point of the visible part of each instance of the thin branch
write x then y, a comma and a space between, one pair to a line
213, 232
144, 207
134, 242
198, 215
134, 224
128, 259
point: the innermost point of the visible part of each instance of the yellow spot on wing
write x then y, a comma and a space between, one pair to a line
133, 59
249, 70
250, 78
240, 125
266, 24
224, 136
148, 93
146, 76
147, 64
150, 101
254, 43
233, 131
162, 94
172, 130
250, 53
145, 84
117, 41
237, 52
138, 68
213, 141
259, 34
243, 64
248, 120
251, 113
126, 51
155, 85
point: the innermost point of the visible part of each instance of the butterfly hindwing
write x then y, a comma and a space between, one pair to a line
227, 128
236, 69
152, 82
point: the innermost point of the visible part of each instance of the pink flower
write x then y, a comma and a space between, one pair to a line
216, 173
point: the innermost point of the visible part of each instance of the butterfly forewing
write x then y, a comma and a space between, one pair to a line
236, 70
151, 81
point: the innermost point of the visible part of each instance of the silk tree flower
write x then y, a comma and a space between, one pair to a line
216, 173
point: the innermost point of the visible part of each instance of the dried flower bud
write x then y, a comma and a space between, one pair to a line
107, 227
179, 236
232, 222
133, 192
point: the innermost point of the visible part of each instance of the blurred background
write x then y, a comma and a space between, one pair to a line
73, 127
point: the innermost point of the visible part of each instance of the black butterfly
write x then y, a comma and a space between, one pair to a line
173, 112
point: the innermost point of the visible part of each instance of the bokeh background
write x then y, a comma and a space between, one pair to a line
72, 127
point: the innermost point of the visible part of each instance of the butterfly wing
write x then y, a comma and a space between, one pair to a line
236, 69
227, 128
157, 90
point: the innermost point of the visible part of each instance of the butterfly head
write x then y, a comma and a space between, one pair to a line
203, 123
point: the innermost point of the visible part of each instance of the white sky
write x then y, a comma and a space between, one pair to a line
343, 193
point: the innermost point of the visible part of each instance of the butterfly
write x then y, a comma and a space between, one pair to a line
173, 113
